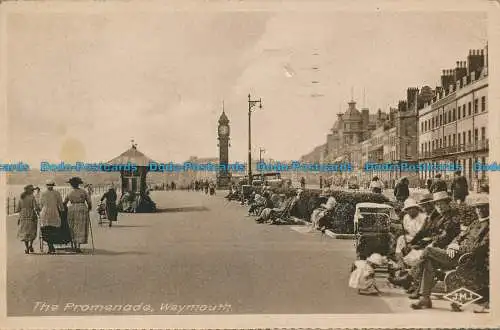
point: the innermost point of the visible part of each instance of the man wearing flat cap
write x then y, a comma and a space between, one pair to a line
475, 240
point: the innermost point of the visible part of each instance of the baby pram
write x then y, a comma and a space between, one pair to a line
101, 210
60, 236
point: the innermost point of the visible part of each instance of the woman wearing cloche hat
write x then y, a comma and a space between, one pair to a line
28, 220
78, 213
413, 221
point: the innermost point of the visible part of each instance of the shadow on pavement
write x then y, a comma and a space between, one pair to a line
183, 209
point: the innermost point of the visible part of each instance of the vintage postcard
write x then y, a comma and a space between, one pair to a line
249, 164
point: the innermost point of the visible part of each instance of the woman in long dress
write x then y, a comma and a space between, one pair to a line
28, 219
50, 216
413, 221
78, 213
111, 209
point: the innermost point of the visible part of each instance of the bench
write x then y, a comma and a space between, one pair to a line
464, 275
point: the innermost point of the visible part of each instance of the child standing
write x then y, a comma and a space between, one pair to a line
363, 274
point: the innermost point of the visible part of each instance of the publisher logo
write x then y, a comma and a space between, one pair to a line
462, 297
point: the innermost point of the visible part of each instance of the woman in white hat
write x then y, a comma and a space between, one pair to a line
413, 221
50, 218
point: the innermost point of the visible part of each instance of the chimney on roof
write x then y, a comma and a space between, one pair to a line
401, 106
460, 70
411, 97
447, 78
475, 61
486, 55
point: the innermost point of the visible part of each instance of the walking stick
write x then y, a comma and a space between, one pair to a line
91, 236
39, 228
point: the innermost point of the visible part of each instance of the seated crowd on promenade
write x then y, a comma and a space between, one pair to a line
434, 235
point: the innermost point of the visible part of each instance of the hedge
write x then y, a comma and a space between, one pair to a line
343, 218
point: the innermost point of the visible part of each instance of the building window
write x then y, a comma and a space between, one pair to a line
463, 111
476, 105
469, 136
440, 143
476, 135
470, 109
440, 119
463, 138
454, 114
483, 161
449, 116
459, 113
483, 133
432, 123
432, 145
421, 127
483, 103
470, 169
454, 139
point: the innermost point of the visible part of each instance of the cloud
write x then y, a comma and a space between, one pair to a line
161, 78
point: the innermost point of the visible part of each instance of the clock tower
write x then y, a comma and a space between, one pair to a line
223, 176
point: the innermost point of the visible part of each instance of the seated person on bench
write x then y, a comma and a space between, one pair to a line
474, 239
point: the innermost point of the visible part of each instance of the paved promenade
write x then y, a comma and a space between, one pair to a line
197, 251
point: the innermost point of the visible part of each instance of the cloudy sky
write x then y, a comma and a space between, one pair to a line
81, 86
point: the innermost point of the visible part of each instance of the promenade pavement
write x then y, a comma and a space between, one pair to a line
198, 250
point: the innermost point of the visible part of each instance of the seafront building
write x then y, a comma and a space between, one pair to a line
453, 126
445, 124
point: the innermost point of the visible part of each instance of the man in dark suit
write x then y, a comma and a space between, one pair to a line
459, 187
475, 240
439, 230
402, 191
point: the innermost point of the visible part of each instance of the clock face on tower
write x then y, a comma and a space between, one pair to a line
223, 130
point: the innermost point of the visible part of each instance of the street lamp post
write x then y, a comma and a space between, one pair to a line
251, 104
261, 150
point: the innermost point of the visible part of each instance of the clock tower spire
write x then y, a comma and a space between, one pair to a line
223, 176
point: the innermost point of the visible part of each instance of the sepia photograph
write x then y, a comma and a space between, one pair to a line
235, 160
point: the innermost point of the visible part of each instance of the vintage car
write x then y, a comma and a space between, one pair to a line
372, 229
